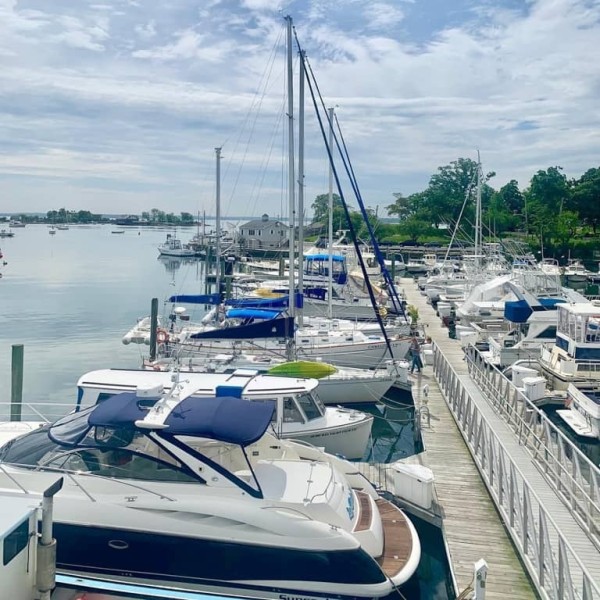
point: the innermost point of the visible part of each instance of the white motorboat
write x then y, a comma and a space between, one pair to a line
550, 266
582, 412
575, 355
575, 272
195, 493
172, 246
300, 413
337, 385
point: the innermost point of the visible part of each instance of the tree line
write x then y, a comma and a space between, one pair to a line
550, 213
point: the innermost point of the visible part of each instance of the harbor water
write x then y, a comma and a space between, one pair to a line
70, 297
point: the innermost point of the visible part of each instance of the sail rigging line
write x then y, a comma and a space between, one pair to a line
250, 123
353, 232
344, 155
391, 288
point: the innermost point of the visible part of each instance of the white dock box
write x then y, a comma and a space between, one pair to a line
519, 372
535, 387
413, 483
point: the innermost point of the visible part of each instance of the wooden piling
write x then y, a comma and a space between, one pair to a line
16, 391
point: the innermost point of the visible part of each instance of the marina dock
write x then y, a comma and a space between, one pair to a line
496, 501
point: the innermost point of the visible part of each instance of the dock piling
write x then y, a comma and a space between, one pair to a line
16, 391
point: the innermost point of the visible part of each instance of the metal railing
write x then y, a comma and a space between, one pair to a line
565, 467
553, 565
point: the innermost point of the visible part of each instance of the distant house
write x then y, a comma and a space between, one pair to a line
264, 234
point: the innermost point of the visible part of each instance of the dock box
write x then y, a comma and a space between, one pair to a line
519, 372
413, 483
534, 387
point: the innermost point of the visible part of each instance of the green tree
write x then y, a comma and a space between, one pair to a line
320, 207
187, 218
512, 197
448, 188
586, 197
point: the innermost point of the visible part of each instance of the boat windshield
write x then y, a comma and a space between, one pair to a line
310, 406
110, 453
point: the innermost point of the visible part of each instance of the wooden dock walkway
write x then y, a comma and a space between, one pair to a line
472, 524
472, 527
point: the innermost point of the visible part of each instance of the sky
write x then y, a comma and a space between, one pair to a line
117, 106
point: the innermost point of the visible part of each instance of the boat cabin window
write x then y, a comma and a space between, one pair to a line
15, 541
309, 406
291, 413
549, 332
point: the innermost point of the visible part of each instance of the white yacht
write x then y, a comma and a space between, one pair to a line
575, 355
299, 414
582, 414
337, 385
198, 495
575, 272
550, 266
172, 246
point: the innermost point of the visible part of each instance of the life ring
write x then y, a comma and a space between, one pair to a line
162, 336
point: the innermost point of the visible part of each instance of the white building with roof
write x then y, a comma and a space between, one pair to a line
264, 234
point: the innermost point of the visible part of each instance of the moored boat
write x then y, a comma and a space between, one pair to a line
197, 494
299, 413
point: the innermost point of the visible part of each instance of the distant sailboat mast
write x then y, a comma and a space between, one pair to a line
218, 224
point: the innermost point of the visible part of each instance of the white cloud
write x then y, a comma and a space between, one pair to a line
84, 89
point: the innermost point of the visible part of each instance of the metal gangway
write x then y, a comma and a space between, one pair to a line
544, 488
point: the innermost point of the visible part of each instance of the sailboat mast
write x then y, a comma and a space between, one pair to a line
478, 245
218, 224
300, 186
330, 223
291, 178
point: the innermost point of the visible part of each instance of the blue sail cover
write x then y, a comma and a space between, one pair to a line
282, 327
282, 302
252, 313
226, 419
197, 299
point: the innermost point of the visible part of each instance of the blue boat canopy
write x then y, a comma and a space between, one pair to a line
334, 257
197, 299
226, 419
282, 302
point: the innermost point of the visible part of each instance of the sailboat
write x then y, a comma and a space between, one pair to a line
325, 341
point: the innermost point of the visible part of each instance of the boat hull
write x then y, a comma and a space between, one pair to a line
349, 440
193, 564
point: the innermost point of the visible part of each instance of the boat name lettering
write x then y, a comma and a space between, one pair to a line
288, 597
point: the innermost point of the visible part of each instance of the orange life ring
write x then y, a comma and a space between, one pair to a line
162, 336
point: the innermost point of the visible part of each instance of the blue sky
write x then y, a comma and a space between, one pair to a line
116, 106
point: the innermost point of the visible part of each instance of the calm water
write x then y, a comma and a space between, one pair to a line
70, 297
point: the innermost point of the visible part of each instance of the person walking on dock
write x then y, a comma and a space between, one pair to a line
415, 352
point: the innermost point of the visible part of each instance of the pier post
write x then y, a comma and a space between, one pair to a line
153, 327
479, 579
393, 274
16, 391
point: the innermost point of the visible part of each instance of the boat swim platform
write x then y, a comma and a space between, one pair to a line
472, 525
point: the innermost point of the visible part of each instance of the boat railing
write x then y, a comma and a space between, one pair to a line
74, 477
574, 477
38, 411
552, 563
